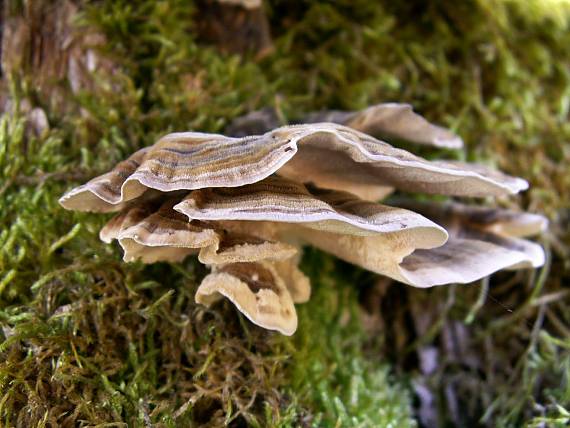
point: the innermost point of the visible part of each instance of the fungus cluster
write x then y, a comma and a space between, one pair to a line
245, 205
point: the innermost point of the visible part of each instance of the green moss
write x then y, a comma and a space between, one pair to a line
341, 383
90, 338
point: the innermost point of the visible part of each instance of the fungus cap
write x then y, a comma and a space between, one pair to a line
257, 291
315, 152
386, 121
391, 121
277, 199
370, 235
482, 241
155, 232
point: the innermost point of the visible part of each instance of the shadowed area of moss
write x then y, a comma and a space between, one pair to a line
88, 339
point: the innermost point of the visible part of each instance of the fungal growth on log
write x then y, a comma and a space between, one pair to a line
245, 206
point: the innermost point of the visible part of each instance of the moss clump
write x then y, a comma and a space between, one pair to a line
90, 340
336, 369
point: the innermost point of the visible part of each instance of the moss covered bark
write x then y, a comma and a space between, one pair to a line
88, 340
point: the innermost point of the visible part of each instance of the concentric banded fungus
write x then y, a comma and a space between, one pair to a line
99, 194
128, 217
397, 243
152, 234
157, 234
185, 161
244, 205
281, 200
257, 291
371, 235
481, 242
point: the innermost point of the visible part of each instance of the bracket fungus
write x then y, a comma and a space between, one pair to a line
245, 205
391, 121
256, 289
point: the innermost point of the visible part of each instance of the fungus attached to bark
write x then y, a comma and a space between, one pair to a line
245, 206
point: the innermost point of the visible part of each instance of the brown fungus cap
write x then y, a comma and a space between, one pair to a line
502, 222
256, 289
329, 155
336, 157
386, 121
370, 235
100, 194
128, 217
277, 199
155, 232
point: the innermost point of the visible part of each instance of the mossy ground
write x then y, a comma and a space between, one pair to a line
89, 340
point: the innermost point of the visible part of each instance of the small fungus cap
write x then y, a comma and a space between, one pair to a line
391, 122
256, 289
